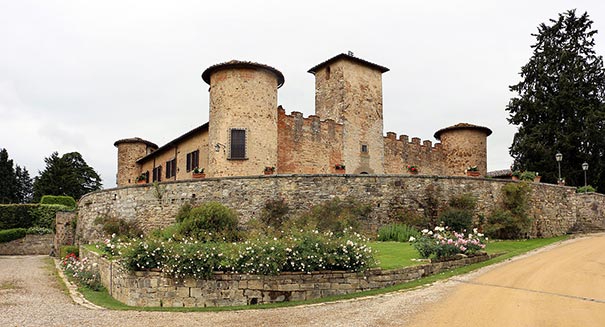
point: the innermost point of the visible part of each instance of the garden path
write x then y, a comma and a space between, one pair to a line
29, 296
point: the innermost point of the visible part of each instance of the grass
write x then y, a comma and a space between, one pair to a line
49, 266
394, 254
390, 254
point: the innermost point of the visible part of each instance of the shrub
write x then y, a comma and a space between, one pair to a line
64, 200
210, 221
397, 232
39, 231
305, 251
412, 218
8, 235
16, 216
512, 220
119, 227
44, 215
183, 213
585, 189
528, 176
335, 216
274, 213
458, 219
464, 201
443, 243
69, 249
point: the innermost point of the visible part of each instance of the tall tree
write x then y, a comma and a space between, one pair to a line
66, 175
560, 105
24, 185
8, 179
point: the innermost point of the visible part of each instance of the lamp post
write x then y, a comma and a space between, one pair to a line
585, 168
559, 157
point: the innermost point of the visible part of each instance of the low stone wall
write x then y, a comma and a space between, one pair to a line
30, 244
555, 210
153, 289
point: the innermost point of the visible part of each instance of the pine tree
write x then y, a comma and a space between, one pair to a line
560, 105
66, 175
24, 185
8, 179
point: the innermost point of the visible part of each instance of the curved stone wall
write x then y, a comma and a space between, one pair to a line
556, 210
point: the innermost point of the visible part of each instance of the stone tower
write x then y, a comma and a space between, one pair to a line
243, 118
349, 91
129, 151
464, 145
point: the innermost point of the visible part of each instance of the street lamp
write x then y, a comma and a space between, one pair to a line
585, 168
559, 157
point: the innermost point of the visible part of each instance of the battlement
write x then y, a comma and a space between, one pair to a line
401, 152
417, 142
308, 145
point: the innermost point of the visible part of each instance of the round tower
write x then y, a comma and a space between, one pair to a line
464, 145
129, 151
242, 134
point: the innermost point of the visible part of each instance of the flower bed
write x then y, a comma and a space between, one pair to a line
156, 289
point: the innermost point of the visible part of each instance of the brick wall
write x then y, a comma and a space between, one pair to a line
556, 210
307, 145
144, 288
400, 153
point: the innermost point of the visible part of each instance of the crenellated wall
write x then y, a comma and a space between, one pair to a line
307, 145
400, 153
556, 210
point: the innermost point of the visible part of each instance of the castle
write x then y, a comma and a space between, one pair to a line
249, 134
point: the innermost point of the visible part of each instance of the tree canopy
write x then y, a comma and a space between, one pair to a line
15, 183
66, 175
560, 103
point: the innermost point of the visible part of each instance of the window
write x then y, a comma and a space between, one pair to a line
237, 148
171, 168
328, 71
364, 148
157, 174
193, 160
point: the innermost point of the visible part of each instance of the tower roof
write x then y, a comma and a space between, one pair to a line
135, 140
242, 64
360, 61
486, 130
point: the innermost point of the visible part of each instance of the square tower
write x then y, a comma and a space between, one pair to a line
349, 91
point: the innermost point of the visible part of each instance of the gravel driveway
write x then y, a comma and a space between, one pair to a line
30, 296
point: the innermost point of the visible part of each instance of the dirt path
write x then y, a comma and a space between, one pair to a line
533, 291
561, 287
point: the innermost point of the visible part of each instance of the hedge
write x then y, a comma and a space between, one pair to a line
29, 215
65, 200
12, 234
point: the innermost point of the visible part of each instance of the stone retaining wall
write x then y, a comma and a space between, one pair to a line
153, 289
556, 210
30, 244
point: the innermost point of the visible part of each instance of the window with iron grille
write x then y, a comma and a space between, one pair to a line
237, 148
193, 160
171, 168
157, 174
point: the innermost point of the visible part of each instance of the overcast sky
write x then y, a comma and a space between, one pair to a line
79, 75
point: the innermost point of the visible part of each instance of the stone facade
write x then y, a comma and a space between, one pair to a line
29, 245
64, 229
153, 289
556, 210
346, 130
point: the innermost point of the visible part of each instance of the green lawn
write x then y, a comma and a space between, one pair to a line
394, 254
397, 255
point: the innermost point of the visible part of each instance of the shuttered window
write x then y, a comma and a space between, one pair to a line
171, 168
157, 174
237, 149
193, 160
